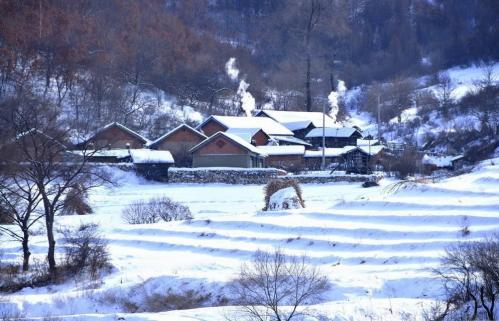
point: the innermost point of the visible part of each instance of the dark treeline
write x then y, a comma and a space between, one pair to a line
112, 51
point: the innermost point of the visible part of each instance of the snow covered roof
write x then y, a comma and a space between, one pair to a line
245, 133
160, 139
295, 120
291, 140
269, 126
236, 139
145, 156
117, 153
372, 150
439, 161
367, 142
330, 152
283, 150
332, 132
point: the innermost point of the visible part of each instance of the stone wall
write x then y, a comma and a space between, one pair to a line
313, 179
223, 175
255, 176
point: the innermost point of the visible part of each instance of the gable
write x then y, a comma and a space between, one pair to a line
212, 127
221, 145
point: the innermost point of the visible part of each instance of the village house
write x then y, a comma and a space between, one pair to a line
215, 124
352, 159
114, 136
284, 157
335, 137
226, 150
178, 142
299, 122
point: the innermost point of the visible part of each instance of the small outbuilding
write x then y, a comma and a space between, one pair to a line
290, 158
335, 137
226, 150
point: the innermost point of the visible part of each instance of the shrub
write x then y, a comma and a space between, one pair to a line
85, 251
156, 209
76, 202
277, 184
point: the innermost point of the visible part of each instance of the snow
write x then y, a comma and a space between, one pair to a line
145, 156
290, 139
367, 142
283, 150
439, 161
269, 126
372, 150
118, 153
284, 199
378, 248
330, 151
294, 120
332, 132
245, 133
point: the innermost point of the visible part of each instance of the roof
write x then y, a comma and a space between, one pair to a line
122, 127
332, 132
149, 156
245, 133
234, 138
269, 126
372, 150
117, 153
168, 134
330, 152
367, 142
439, 161
283, 150
291, 140
295, 120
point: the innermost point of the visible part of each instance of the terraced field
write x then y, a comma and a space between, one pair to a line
373, 245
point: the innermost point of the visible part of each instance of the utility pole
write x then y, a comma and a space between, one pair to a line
323, 164
379, 120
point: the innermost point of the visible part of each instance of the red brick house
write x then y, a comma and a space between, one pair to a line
114, 136
226, 150
179, 141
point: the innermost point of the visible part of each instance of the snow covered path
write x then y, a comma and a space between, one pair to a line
372, 245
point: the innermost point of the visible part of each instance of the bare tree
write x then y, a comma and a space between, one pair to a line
57, 175
470, 274
277, 287
446, 87
19, 199
313, 18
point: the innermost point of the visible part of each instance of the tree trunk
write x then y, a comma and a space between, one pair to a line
49, 223
26, 252
307, 82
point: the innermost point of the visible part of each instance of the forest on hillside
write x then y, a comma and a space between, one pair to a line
115, 60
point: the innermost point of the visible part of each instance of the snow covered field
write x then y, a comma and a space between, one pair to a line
377, 248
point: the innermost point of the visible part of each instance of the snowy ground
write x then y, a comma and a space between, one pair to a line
377, 248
